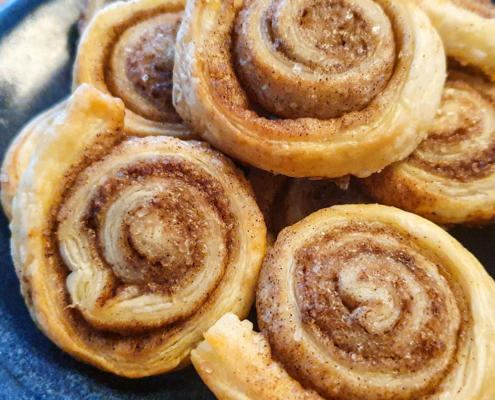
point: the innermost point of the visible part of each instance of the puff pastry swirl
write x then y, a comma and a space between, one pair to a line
20, 151
127, 249
450, 178
128, 51
360, 302
350, 102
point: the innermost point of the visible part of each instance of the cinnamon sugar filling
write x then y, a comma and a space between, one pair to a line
163, 242
371, 298
150, 65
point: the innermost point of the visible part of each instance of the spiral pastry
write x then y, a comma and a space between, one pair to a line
20, 151
362, 302
467, 28
350, 83
450, 178
128, 51
127, 249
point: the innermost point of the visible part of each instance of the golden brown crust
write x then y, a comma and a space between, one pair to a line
399, 310
450, 178
373, 119
136, 245
128, 51
19, 152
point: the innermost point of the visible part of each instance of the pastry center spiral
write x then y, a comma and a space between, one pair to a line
461, 141
316, 59
371, 302
158, 235
164, 243
147, 238
150, 64
339, 31
374, 301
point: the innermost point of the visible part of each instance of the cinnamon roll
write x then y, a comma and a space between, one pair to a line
19, 152
450, 178
309, 89
467, 28
360, 302
129, 248
128, 51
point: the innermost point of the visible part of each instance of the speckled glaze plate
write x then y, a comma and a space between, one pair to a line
37, 47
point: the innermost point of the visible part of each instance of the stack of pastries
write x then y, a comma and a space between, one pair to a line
217, 151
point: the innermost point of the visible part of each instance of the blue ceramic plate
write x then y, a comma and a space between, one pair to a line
37, 48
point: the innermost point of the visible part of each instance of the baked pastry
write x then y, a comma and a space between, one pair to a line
450, 178
467, 28
128, 51
349, 103
360, 302
127, 249
19, 152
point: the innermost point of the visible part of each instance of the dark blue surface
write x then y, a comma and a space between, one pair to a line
37, 47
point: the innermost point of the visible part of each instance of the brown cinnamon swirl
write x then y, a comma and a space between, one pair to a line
467, 28
129, 248
305, 88
128, 51
20, 151
360, 302
450, 178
